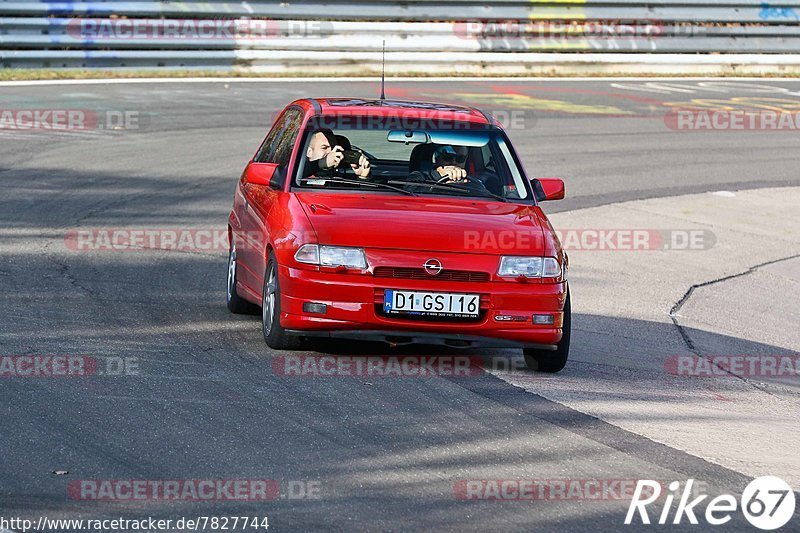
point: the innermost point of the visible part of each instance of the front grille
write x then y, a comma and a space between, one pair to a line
419, 273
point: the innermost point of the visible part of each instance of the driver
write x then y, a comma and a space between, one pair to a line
448, 166
325, 153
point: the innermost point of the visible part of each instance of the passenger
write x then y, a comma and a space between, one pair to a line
325, 153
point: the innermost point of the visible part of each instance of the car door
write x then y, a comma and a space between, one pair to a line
260, 199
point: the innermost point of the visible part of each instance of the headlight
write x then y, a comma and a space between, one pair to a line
530, 267
337, 256
332, 256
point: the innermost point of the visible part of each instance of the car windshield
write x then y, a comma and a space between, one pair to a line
456, 161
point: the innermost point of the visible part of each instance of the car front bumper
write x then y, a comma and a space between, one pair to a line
353, 310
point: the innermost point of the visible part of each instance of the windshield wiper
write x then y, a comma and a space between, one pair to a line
354, 182
453, 187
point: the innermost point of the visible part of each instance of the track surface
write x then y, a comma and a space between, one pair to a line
206, 404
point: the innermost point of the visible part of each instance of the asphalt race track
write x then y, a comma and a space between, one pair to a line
200, 397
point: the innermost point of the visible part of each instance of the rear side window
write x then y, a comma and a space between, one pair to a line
277, 147
286, 140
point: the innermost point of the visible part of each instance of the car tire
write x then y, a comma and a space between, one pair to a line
552, 361
236, 304
274, 334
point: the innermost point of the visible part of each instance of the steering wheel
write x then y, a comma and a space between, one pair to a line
482, 181
469, 178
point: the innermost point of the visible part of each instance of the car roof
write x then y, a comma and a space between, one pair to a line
388, 108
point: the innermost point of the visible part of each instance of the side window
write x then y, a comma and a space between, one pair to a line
286, 140
283, 132
267, 149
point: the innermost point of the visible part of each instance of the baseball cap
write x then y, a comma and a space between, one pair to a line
448, 153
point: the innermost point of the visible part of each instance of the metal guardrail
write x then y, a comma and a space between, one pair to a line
732, 11
217, 34
467, 63
153, 34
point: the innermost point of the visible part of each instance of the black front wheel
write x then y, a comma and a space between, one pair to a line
552, 361
274, 334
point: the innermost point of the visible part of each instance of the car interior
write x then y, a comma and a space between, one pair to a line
396, 165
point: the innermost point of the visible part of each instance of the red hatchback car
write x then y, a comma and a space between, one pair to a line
401, 222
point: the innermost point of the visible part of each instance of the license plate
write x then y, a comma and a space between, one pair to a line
442, 304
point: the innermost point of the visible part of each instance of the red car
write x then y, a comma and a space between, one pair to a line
401, 222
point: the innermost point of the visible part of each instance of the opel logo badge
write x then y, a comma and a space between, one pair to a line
432, 266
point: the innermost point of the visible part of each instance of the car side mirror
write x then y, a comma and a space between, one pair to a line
546, 189
263, 174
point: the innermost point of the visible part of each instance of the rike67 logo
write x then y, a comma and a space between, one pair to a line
767, 503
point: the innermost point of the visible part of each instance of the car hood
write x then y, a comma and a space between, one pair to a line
424, 223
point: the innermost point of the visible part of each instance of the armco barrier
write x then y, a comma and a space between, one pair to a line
308, 34
732, 11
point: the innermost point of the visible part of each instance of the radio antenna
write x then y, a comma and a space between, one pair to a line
383, 73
